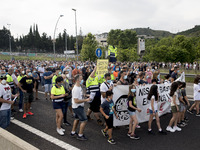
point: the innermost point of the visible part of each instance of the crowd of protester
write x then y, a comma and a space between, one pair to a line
71, 84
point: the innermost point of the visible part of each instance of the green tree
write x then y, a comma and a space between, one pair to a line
88, 48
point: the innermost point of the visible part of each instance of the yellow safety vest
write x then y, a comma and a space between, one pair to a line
56, 92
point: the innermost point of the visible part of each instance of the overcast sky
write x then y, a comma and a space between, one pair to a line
97, 16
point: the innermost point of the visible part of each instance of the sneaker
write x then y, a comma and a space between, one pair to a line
138, 126
30, 113
82, 138
12, 118
135, 137
21, 110
197, 115
128, 134
60, 131
181, 125
104, 133
74, 135
151, 132
186, 119
170, 129
100, 122
190, 112
67, 123
177, 128
63, 129
162, 132
111, 141
24, 116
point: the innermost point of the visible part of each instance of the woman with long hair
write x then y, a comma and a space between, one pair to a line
132, 107
153, 96
175, 107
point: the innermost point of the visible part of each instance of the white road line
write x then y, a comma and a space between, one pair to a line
41, 92
45, 136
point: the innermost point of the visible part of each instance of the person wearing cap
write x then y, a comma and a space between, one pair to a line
5, 101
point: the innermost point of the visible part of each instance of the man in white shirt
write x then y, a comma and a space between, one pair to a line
5, 101
106, 86
78, 108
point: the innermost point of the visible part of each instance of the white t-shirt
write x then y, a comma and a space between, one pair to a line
41, 69
196, 93
15, 79
77, 92
177, 100
5, 91
104, 88
155, 104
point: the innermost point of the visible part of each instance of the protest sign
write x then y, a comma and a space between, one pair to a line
120, 100
102, 67
182, 77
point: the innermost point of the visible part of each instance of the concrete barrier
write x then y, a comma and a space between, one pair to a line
9, 141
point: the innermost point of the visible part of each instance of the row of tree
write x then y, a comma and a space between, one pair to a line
33, 42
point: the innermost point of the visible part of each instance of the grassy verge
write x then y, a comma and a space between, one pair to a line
186, 71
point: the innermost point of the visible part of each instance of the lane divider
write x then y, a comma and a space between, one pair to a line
45, 136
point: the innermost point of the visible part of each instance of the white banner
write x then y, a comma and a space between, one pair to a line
120, 100
182, 77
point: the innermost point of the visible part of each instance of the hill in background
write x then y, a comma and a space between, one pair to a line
161, 33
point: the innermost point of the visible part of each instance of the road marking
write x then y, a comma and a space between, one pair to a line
41, 92
45, 136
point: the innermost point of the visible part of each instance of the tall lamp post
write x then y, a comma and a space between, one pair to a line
10, 41
54, 41
65, 42
76, 33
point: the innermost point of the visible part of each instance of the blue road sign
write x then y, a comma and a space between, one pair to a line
98, 52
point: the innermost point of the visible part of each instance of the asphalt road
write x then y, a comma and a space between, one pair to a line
44, 120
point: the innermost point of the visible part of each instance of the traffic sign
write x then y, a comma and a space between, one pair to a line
98, 52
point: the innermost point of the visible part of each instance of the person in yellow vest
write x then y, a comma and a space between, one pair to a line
110, 70
57, 73
112, 53
20, 76
92, 85
9, 79
57, 95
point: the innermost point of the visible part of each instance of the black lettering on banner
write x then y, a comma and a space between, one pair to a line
145, 101
143, 91
121, 108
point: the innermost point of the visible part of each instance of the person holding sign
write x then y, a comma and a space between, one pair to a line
132, 107
5, 101
153, 96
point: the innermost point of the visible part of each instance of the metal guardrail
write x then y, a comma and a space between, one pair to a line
187, 75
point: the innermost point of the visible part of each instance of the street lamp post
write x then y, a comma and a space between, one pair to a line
66, 42
10, 41
54, 41
76, 33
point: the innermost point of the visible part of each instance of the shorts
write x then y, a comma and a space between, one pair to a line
58, 105
28, 97
182, 107
131, 113
37, 84
109, 122
80, 114
47, 88
5, 118
95, 104
174, 109
151, 111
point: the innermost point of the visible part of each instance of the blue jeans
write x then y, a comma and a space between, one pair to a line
80, 114
5, 118
20, 98
42, 80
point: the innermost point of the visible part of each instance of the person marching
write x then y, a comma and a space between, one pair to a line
28, 85
57, 96
153, 96
5, 101
78, 108
132, 107
107, 110
175, 106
